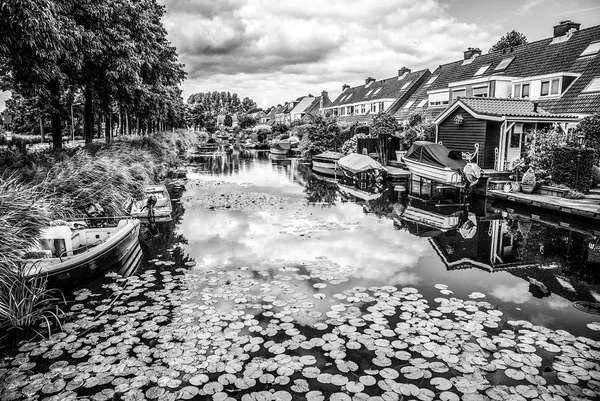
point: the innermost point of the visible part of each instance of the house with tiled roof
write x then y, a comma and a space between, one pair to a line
361, 103
557, 79
318, 106
299, 105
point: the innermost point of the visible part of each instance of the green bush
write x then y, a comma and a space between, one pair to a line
528, 177
564, 168
590, 127
595, 175
539, 147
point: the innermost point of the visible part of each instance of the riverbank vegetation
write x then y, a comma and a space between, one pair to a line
37, 188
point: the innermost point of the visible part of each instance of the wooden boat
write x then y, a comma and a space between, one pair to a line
361, 167
155, 206
73, 251
439, 221
281, 148
327, 162
359, 193
433, 161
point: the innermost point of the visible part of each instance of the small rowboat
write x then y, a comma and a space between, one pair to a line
155, 206
327, 162
74, 251
281, 148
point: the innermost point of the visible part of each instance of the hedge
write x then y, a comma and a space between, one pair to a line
564, 168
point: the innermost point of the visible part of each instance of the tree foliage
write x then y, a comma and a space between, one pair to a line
321, 134
419, 128
511, 39
383, 123
589, 127
114, 54
245, 121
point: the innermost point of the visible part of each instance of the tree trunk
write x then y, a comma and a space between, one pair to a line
42, 133
107, 128
137, 129
88, 116
54, 88
127, 123
99, 131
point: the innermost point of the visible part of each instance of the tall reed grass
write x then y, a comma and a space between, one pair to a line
39, 188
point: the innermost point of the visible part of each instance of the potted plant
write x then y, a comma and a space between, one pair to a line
528, 181
517, 169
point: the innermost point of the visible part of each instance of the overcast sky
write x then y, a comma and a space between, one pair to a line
278, 50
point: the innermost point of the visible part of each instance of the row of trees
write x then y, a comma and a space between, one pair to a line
112, 56
203, 108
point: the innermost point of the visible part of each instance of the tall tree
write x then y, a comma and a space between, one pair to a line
511, 39
248, 104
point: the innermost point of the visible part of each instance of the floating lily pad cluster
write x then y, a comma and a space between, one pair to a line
291, 333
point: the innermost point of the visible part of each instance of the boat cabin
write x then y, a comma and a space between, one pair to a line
495, 128
62, 241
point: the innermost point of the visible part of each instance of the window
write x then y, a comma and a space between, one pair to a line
481, 70
405, 85
362, 108
380, 106
350, 109
591, 50
431, 80
551, 87
481, 91
422, 103
517, 92
408, 104
457, 93
373, 107
525, 91
368, 93
342, 111
349, 96
504, 63
593, 86
376, 91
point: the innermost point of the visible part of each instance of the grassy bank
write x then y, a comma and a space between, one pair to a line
36, 189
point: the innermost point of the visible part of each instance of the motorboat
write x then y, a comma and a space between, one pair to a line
360, 167
327, 162
70, 251
155, 205
359, 193
433, 161
281, 148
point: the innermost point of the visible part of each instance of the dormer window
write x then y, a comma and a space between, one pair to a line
591, 50
504, 63
481, 70
521, 91
593, 86
405, 85
431, 80
481, 91
550, 87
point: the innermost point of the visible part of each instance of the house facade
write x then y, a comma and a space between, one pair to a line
318, 106
361, 103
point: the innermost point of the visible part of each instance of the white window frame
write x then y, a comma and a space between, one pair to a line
550, 81
481, 70
408, 104
596, 81
422, 103
431, 80
591, 50
405, 85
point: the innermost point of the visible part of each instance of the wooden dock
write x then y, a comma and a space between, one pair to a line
587, 208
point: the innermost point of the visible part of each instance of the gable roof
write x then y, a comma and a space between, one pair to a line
390, 88
490, 108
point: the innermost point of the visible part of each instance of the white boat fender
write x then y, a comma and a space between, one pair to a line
472, 172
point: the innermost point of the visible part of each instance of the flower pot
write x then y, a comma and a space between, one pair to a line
400, 154
515, 186
527, 188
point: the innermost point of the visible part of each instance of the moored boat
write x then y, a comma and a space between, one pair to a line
361, 167
281, 148
155, 206
433, 161
74, 251
327, 162
359, 193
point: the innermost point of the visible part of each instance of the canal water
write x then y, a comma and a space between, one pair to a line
275, 283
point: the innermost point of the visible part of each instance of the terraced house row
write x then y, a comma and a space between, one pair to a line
486, 102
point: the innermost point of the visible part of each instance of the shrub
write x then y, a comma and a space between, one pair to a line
350, 145
528, 177
539, 148
383, 123
322, 135
590, 127
419, 128
595, 175
565, 165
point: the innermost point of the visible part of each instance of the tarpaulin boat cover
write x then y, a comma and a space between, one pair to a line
434, 154
329, 155
358, 163
284, 145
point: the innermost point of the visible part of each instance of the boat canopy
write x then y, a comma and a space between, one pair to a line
329, 155
434, 154
359, 163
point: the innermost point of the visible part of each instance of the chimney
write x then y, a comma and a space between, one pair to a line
565, 26
369, 80
344, 87
403, 70
472, 52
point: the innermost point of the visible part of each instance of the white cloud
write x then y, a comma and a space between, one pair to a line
275, 51
517, 293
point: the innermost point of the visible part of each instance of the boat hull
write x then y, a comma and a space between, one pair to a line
279, 152
434, 173
121, 250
